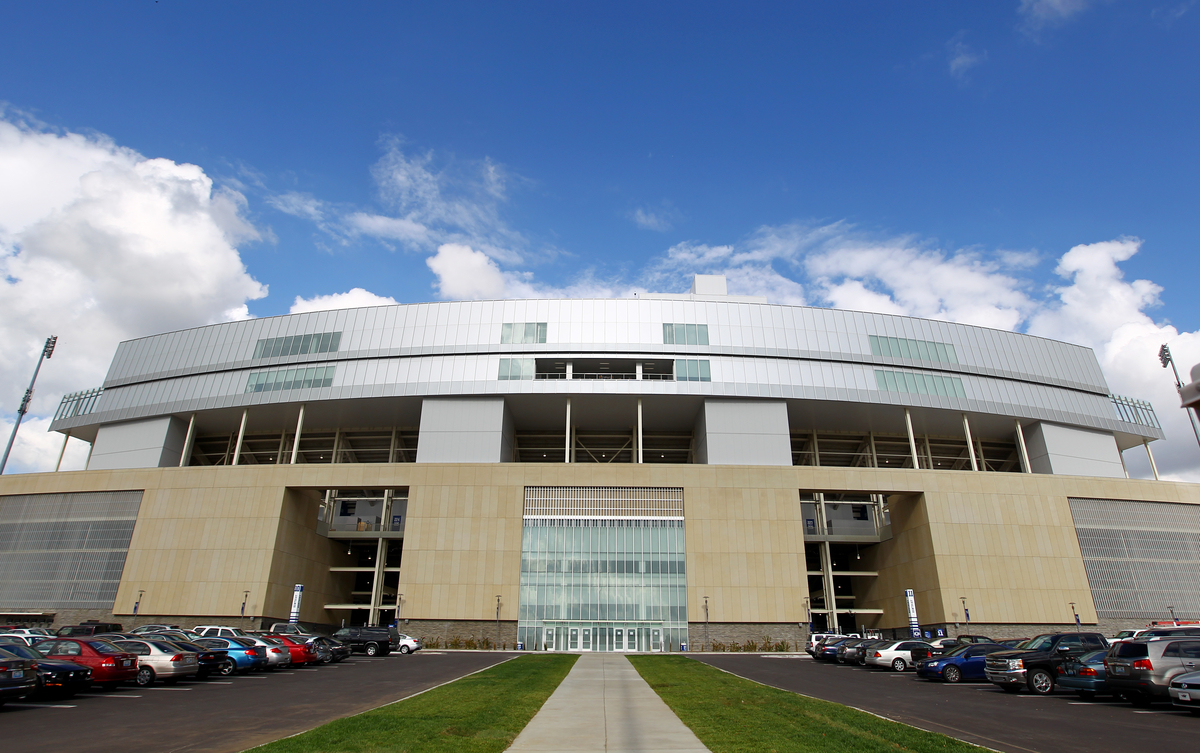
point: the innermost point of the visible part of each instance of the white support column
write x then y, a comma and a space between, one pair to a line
1024, 450
237, 450
189, 441
830, 591
912, 439
62, 451
982, 459
572, 451
568, 433
296, 441
638, 369
282, 444
377, 582
816, 450
1121, 454
928, 451
570, 370
970, 448
337, 440
1149, 454
639, 434
392, 447
874, 455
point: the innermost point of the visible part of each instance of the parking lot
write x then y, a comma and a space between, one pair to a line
979, 713
229, 713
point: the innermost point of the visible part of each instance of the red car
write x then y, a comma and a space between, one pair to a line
110, 665
301, 652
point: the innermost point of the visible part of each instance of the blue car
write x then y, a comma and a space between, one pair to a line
243, 655
829, 651
963, 662
1085, 674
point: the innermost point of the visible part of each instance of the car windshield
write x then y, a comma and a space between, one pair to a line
163, 646
1125, 634
956, 650
1131, 650
1039, 643
240, 642
1093, 656
23, 651
104, 647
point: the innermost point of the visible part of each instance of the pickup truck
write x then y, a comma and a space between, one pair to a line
1036, 666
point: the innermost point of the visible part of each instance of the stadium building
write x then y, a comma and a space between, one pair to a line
600, 475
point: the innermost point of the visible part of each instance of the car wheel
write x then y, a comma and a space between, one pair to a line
145, 677
227, 668
371, 649
899, 665
1041, 682
405, 650
952, 674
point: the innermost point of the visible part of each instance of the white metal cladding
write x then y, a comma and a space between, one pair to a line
603, 502
1141, 558
64, 551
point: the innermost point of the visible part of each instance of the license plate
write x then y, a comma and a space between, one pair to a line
1118, 670
190, 660
1185, 697
126, 662
18, 673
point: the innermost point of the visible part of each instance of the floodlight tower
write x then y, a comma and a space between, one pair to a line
1164, 357
47, 351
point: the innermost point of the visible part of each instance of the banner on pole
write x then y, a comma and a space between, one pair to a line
297, 595
914, 627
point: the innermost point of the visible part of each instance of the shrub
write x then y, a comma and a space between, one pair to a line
470, 644
750, 646
717, 646
486, 644
454, 642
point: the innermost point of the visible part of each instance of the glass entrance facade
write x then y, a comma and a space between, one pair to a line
604, 583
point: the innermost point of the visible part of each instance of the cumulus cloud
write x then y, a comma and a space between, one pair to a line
961, 57
354, 298
466, 274
1039, 14
99, 244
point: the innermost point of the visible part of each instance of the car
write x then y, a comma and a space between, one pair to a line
975, 639
369, 640
1013, 642
153, 628
54, 677
330, 650
160, 659
1085, 674
1185, 692
18, 677
895, 654
110, 665
290, 628
851, 652
1035, 666
816, 638
408, 644
301, 651
21, 640
27, 631
176, 635
278, 655
962, 662
241, 654
827, 651
1142, 669
87, 629
208, 660
218, 631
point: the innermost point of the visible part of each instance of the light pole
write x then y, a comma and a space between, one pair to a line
1164, 357
399, 608
966, 613
245, 598
497, 620
1174, 619
706, 624
1078, 627
47, 351
138, 603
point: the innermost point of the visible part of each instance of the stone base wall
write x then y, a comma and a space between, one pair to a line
723, 636
442, 633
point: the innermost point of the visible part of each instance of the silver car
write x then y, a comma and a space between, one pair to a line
1185, 692
278, 654
1144, 669
159, 659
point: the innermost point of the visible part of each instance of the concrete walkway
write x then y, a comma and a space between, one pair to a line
604, 704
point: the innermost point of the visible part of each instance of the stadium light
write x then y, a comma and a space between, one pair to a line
47, 351
1164, 357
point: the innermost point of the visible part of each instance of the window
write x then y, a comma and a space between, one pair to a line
290, 379
521, 333
685, 334
919, 384
691, 370
921, 350
294, 345
516, 368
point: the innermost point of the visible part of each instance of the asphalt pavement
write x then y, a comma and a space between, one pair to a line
227, 714
979, 713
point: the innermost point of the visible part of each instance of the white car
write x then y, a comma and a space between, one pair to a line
27, 640
220, 631
897, 654
29, 631
408, 644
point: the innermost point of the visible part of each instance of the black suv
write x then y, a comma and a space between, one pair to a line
1036, 666
88, 628
370, 640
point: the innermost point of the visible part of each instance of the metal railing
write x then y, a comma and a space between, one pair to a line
1133, 411
78, 403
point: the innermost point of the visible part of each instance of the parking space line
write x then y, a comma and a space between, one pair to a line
108, 696
217, 682
177, 689
253, 677
40, 705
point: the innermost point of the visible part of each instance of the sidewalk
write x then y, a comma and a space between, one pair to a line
605, 705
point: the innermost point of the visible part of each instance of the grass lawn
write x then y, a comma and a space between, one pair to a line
483, 712
730, 714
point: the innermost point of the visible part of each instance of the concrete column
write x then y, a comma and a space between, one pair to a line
1024, 450
296, 441
1123, 467
392, 447
282, 444
639, 428
638, 369
63, 450
568, 433
337, 440
237, 450
377, 583
874, 456
982, 459
928, 451
570, 369
912, 439
1149, 454
830, 593
816, 451
970, 449
186, 456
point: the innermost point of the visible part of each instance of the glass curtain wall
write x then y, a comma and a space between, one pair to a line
603, 584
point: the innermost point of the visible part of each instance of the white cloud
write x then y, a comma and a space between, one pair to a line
1039, 14
36, 449
352, 299
660, 220
99, 244
408, 232
302, 205
466, 274
961, 57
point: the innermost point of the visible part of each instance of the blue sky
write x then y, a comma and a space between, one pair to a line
933, 159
